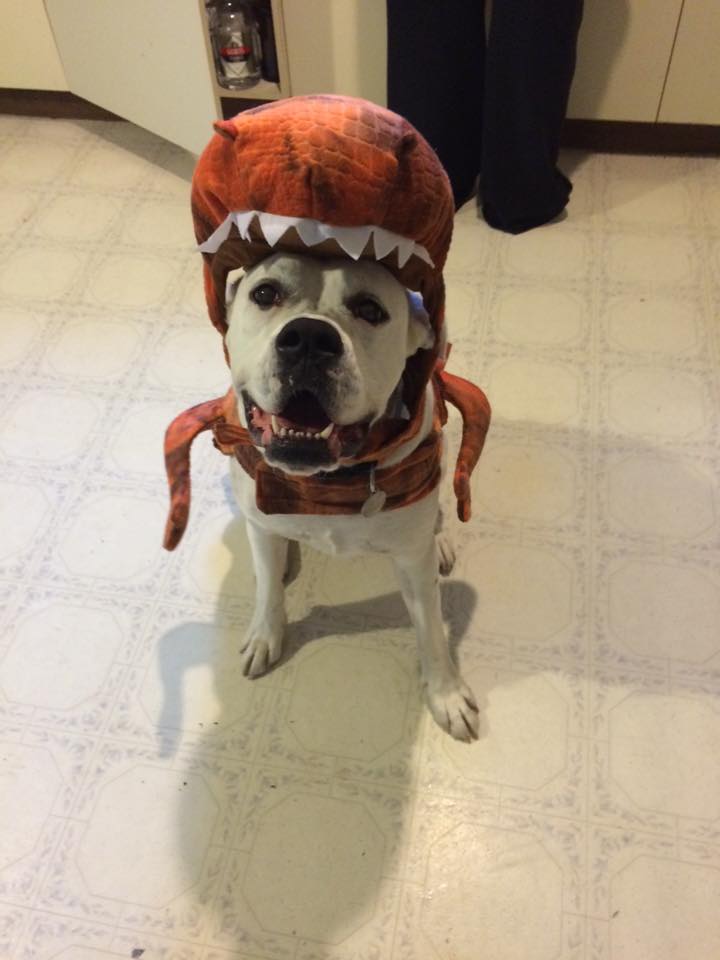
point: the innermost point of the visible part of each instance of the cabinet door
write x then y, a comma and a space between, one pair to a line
28, 57
692, 91
145, 60
623, 55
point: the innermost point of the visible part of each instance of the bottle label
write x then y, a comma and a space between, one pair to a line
235, 54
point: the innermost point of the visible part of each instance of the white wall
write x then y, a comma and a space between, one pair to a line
355, 34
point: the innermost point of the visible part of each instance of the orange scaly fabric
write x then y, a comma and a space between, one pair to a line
340, 160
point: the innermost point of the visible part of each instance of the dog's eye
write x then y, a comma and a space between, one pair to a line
368, 309
266, 295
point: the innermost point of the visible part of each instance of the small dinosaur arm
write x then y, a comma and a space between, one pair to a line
216, 415
178, 439
475, 411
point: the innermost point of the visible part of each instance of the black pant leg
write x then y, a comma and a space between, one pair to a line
530, 63
435, 79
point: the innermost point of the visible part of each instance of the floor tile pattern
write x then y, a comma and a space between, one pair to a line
155, 803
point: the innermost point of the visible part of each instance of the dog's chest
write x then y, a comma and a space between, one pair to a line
333, 535
392, 532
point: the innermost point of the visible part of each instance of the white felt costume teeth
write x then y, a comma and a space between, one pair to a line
352, 240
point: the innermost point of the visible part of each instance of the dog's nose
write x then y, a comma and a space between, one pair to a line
308, 337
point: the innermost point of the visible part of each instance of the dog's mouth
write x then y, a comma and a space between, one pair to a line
302, 435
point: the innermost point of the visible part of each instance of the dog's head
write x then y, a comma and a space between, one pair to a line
317, 350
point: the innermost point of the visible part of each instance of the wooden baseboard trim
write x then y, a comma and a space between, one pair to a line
59, 104
63, 105
616, 136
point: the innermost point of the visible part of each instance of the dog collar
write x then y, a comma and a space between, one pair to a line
344, 492
347, 490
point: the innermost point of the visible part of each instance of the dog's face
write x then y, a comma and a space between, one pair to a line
317, 349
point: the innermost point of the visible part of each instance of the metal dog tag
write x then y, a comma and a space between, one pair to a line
374, 504
376, 501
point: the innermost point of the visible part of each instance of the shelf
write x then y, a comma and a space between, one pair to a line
263, 91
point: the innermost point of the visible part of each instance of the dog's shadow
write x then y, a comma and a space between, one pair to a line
314, 846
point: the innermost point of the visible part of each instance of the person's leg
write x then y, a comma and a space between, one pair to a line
435, 79
530, 62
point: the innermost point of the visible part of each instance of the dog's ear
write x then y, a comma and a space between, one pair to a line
420, 333
232, 282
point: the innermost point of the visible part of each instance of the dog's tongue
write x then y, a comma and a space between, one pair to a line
305, 410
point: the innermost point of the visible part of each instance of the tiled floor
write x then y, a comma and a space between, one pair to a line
154, 800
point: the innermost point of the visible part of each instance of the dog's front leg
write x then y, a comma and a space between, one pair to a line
451, 701
263, 641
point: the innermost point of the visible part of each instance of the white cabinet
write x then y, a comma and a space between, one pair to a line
149, 61
145, 60
692, 91
623, 55
28, 55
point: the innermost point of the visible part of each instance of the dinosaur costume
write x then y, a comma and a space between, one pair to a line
329, 176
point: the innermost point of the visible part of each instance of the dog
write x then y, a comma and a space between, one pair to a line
317, 349
324, 212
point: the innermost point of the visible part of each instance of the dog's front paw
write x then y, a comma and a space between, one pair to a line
453, 707
262, 647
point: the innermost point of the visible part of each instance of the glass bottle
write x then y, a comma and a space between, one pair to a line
235, 42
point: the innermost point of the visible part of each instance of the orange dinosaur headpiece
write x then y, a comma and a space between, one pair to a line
329, 176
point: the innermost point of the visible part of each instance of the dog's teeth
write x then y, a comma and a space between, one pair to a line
275, 424
327, 431
283, 432
291, 433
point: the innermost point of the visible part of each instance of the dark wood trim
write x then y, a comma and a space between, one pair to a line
617, 136
59, 104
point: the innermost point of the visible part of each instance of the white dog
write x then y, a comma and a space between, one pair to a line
317, 350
